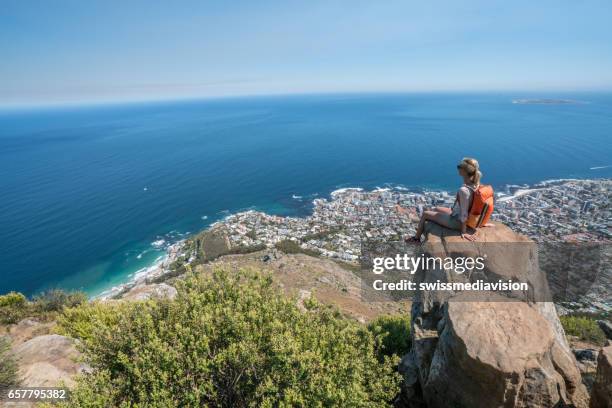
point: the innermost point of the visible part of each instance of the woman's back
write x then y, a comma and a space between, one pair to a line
461, 207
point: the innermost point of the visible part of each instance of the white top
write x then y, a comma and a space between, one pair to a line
461, 207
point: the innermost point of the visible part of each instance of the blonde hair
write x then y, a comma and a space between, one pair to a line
471, 167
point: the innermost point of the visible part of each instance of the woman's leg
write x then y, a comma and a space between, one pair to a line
441, 218
426, 216
445, 210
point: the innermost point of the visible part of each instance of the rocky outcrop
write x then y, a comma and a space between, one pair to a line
601, 396
587, 364
27, 329
606, 327
488, 349
45, 361
150, 291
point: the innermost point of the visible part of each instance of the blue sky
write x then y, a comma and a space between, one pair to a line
72, 51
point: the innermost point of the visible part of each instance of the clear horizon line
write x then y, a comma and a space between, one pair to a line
170, 99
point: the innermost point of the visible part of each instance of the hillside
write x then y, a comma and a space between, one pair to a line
476, 352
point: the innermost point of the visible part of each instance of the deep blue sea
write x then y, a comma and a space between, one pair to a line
85, 191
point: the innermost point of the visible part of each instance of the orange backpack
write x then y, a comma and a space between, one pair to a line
481, 207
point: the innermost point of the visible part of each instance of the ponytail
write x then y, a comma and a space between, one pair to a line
472, 168
476, 178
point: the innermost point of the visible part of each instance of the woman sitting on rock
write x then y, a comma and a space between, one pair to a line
456, 217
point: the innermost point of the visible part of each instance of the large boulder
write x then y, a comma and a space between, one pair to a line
46, 361
601, 396
27, 329
486, 349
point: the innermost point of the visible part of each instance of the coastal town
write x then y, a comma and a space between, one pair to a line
564, 210
561, 211
568, 211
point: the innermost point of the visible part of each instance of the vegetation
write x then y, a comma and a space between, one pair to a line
15, 306
350, 266
394, 334
81, 322
232, 340
583, 327
56, 300
8, 366
322, 234
291, 247
210, 244
246, 249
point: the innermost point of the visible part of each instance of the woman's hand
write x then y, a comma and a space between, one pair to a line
464, 232
400, 209
469, 237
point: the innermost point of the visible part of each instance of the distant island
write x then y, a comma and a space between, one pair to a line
546, 102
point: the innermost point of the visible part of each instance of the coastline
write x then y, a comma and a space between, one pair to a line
174, 250
144, 275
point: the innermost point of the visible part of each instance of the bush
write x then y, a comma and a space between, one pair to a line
210, 244
81, 322
245, 249
8, 366
12, 299
583, 327
13, 307
291, 247
229, 340
394, 334
55, 300
322, 234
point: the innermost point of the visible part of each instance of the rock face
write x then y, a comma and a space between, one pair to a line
587, 364
27, 329
606, 327
488, 349
602, 389
154, 290
45, 361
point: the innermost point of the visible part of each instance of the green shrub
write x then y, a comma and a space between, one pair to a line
210, 244
12, 299
55, 300
583, 327
291, 247
245, 249
228, 340
322, 234
81, 322
393, 332
8, 366
13, 307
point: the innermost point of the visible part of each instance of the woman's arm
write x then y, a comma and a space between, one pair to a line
464, 203
464, 233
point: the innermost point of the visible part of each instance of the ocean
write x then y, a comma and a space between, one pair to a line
90, 195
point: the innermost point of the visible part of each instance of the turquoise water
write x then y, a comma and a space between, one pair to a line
86, 191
